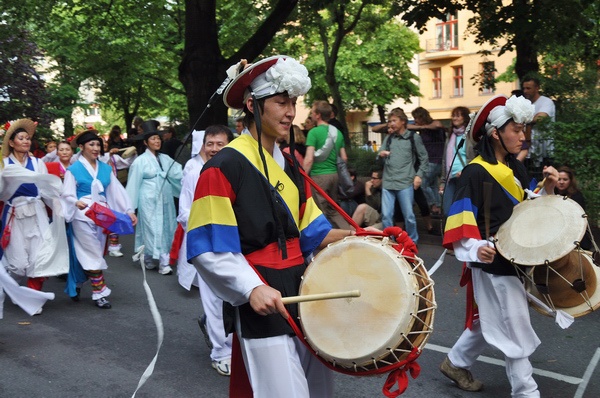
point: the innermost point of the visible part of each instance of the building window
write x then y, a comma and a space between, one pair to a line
437, 82
488, 77
447, 33
457, 81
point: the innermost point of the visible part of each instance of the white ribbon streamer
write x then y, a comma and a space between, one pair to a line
438, 263
561, 318
157, 321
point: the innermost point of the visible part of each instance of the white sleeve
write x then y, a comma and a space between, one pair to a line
186, 198
229, 275
117, 196
546, 105
466, 249
121, 163
69, 197
50, 157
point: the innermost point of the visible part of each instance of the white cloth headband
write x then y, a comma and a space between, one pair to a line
519, 109
287, 75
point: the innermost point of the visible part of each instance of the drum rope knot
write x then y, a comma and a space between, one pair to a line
399, 376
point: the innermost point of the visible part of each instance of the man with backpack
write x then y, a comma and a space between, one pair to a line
401, 150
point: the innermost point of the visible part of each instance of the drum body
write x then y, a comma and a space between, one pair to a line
545, 233
394, 313
558, 284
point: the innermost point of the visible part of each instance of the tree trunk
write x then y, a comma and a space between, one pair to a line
202, 69
527, 61
381, 113
202, 66
525, 46
69, 130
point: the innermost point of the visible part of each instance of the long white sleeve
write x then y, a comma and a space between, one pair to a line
186, 198
229, 275
466, 249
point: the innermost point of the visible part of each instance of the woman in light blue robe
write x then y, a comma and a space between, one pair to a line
154, 179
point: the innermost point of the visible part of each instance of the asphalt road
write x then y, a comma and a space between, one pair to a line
78, 350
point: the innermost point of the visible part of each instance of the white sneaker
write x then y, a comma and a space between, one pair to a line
223, 367
115, 253
165, 270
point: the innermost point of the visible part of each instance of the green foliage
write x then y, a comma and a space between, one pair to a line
576, 143
362, 161
22, 89
486, 78
237, 22
372, 67
129, 50
509, 75
357, 53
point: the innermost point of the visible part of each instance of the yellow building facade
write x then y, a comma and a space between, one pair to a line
449, 62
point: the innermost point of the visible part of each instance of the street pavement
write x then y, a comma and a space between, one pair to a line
78, 350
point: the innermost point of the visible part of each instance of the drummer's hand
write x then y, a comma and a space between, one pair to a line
80, 204
550, 179
486, 254
265, 300
133, 219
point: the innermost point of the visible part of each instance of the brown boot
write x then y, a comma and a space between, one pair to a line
462, 377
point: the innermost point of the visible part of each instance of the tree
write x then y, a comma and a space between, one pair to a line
352, 38
204, 62
22, 90
373, 67
557, 41
136, 47
527, 27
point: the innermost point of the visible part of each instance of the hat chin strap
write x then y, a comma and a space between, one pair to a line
508, 153
281, 240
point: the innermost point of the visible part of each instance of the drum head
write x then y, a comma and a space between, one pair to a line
356, 331
542, 229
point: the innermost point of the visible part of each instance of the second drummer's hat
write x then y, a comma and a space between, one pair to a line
475, 129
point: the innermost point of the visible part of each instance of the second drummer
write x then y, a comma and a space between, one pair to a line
501, 317
252, 222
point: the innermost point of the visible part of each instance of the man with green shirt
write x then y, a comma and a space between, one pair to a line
324, 144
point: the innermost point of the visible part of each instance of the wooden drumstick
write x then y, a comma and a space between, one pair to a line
320, 296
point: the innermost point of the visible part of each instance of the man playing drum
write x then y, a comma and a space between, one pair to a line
488, 189
252, 223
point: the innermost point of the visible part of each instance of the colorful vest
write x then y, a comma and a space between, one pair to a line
84, 178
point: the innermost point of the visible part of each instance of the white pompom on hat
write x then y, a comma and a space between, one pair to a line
273, 75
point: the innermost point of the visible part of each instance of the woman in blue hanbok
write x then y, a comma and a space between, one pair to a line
88, 181
154, 180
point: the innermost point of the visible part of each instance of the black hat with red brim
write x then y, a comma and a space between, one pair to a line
474, 129
234, 94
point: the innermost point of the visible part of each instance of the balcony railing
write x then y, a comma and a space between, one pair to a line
439, 45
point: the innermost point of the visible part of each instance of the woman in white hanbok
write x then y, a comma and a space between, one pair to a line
33, 247
154, 180
89, 180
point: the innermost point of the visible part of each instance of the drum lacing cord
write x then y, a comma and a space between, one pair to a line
542, 288
596, 254
577, 285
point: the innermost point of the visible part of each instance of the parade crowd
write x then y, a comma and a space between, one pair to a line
239, 219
